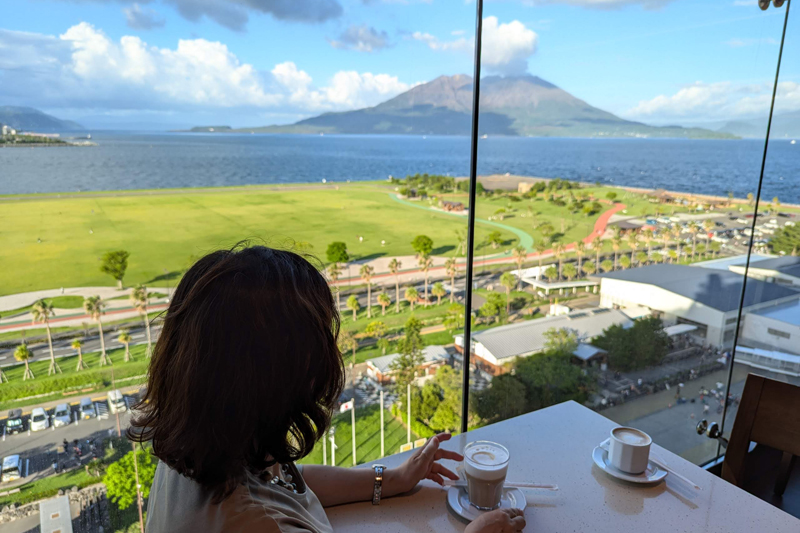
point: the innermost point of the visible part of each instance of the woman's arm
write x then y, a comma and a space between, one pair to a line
335, 486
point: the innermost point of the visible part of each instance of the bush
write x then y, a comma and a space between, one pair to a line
416, 426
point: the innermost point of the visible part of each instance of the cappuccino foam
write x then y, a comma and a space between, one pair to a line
629, 436
486, 461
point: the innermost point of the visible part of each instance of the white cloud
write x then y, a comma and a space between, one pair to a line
84, 69
362, 38
718, 101
458, 33
142, 18
506, 47
740, 43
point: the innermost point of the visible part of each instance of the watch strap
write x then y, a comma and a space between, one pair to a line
376, 492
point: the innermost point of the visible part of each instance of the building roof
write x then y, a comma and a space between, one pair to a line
529, 337
788, 312
430, 354
717, 289
724, 263
789, 265
585, 351
55, 515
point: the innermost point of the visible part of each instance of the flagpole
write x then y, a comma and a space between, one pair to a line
353, 427
382, 450
324, 450
408, 402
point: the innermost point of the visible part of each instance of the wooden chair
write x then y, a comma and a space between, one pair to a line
769, 414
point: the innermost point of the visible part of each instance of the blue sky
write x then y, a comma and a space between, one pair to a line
255, 62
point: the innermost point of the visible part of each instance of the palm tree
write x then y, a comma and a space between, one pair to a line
624, 262
589, 268
551, 273
77, 344
438, 290
673, 256
353, 305
507, 280
607, 265
23, 354
708, 225
676, 232
633, 242
366, 273
139, 299
125, 338
570, 271
95, 308
394, 268
616, 244
383, 301
412, 296
520, 254
42, 310
541, 245
347, 341
334, 271
425, 264
451, 266
665, 236
580, 250
558, 251
597, 244
641, 257
694, 229
647, 237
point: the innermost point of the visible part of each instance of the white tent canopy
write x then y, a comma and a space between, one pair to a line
679, 329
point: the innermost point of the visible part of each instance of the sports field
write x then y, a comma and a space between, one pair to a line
52, 241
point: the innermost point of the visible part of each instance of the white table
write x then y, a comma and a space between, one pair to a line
554, 445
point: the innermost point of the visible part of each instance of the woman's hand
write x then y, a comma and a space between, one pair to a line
498, 521
421, 465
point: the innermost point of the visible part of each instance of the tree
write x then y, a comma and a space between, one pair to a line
139, 299
334, 271
422, 245
616, 244
676, 232
495, 239
412, 297
641, 257
597, 244
550, 378
508, 281
694, 229
633, 242
366, 273
624, 262
125, 338
115, 264
580, 251
673, 256
384, 301
551, 273
490, 309
607, 265
347, 342
337, 252
750, 199
715, 247
454, 319
377, 330
42, 310
560, 340
503, 399
540, 246
77, 345
438, 290
425, 264
451, 267
589, 268
23, 354
394, 268
570, 272
120, 478
95, 308
776, 204
644, 344
406, 365
520, 254
353, 305
558, 251
612, 196
647, 237
461, 241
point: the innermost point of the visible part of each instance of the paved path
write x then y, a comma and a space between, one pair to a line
24, 299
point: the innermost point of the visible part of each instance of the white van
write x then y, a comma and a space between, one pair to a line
116, 402
11, 468
62, 415
39, 419
87, 409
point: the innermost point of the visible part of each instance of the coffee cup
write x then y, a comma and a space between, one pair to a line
486, 465
629, 450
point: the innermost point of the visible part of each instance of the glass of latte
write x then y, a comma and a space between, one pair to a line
486, 465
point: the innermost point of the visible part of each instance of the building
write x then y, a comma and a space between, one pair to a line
725, 263
380, 370
782, 270
494, 348
588, 355
773, 328
451, 206
679, 294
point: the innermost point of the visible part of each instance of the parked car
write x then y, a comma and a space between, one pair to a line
87, 409
39, 419
116, 402
62, 415
14, 423
11, 469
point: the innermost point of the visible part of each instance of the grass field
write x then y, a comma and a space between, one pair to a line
59, 302
368, 437
63, 238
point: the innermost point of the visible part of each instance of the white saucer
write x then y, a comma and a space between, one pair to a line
653, 474
458, 501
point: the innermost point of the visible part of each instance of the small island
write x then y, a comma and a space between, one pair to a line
208, 129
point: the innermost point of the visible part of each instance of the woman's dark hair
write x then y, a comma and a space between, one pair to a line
246, 370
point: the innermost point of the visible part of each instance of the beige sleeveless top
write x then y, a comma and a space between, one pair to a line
178, 504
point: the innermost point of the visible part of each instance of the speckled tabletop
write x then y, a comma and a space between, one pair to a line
554, 445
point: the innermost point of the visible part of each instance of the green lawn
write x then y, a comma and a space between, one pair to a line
79, 331
59, 302
392, 319
94, 377
368, 437
163, 229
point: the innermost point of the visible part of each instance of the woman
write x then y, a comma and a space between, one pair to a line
241, 385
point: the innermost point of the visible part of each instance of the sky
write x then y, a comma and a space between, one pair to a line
177, 63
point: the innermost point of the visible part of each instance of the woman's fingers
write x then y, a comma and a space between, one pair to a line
518, 523
447, 454
439, 469
437, 478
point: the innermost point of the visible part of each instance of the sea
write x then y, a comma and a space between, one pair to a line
126, 160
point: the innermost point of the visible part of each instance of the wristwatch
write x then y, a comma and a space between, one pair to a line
376, 492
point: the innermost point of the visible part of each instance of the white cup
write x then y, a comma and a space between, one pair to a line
629, 450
